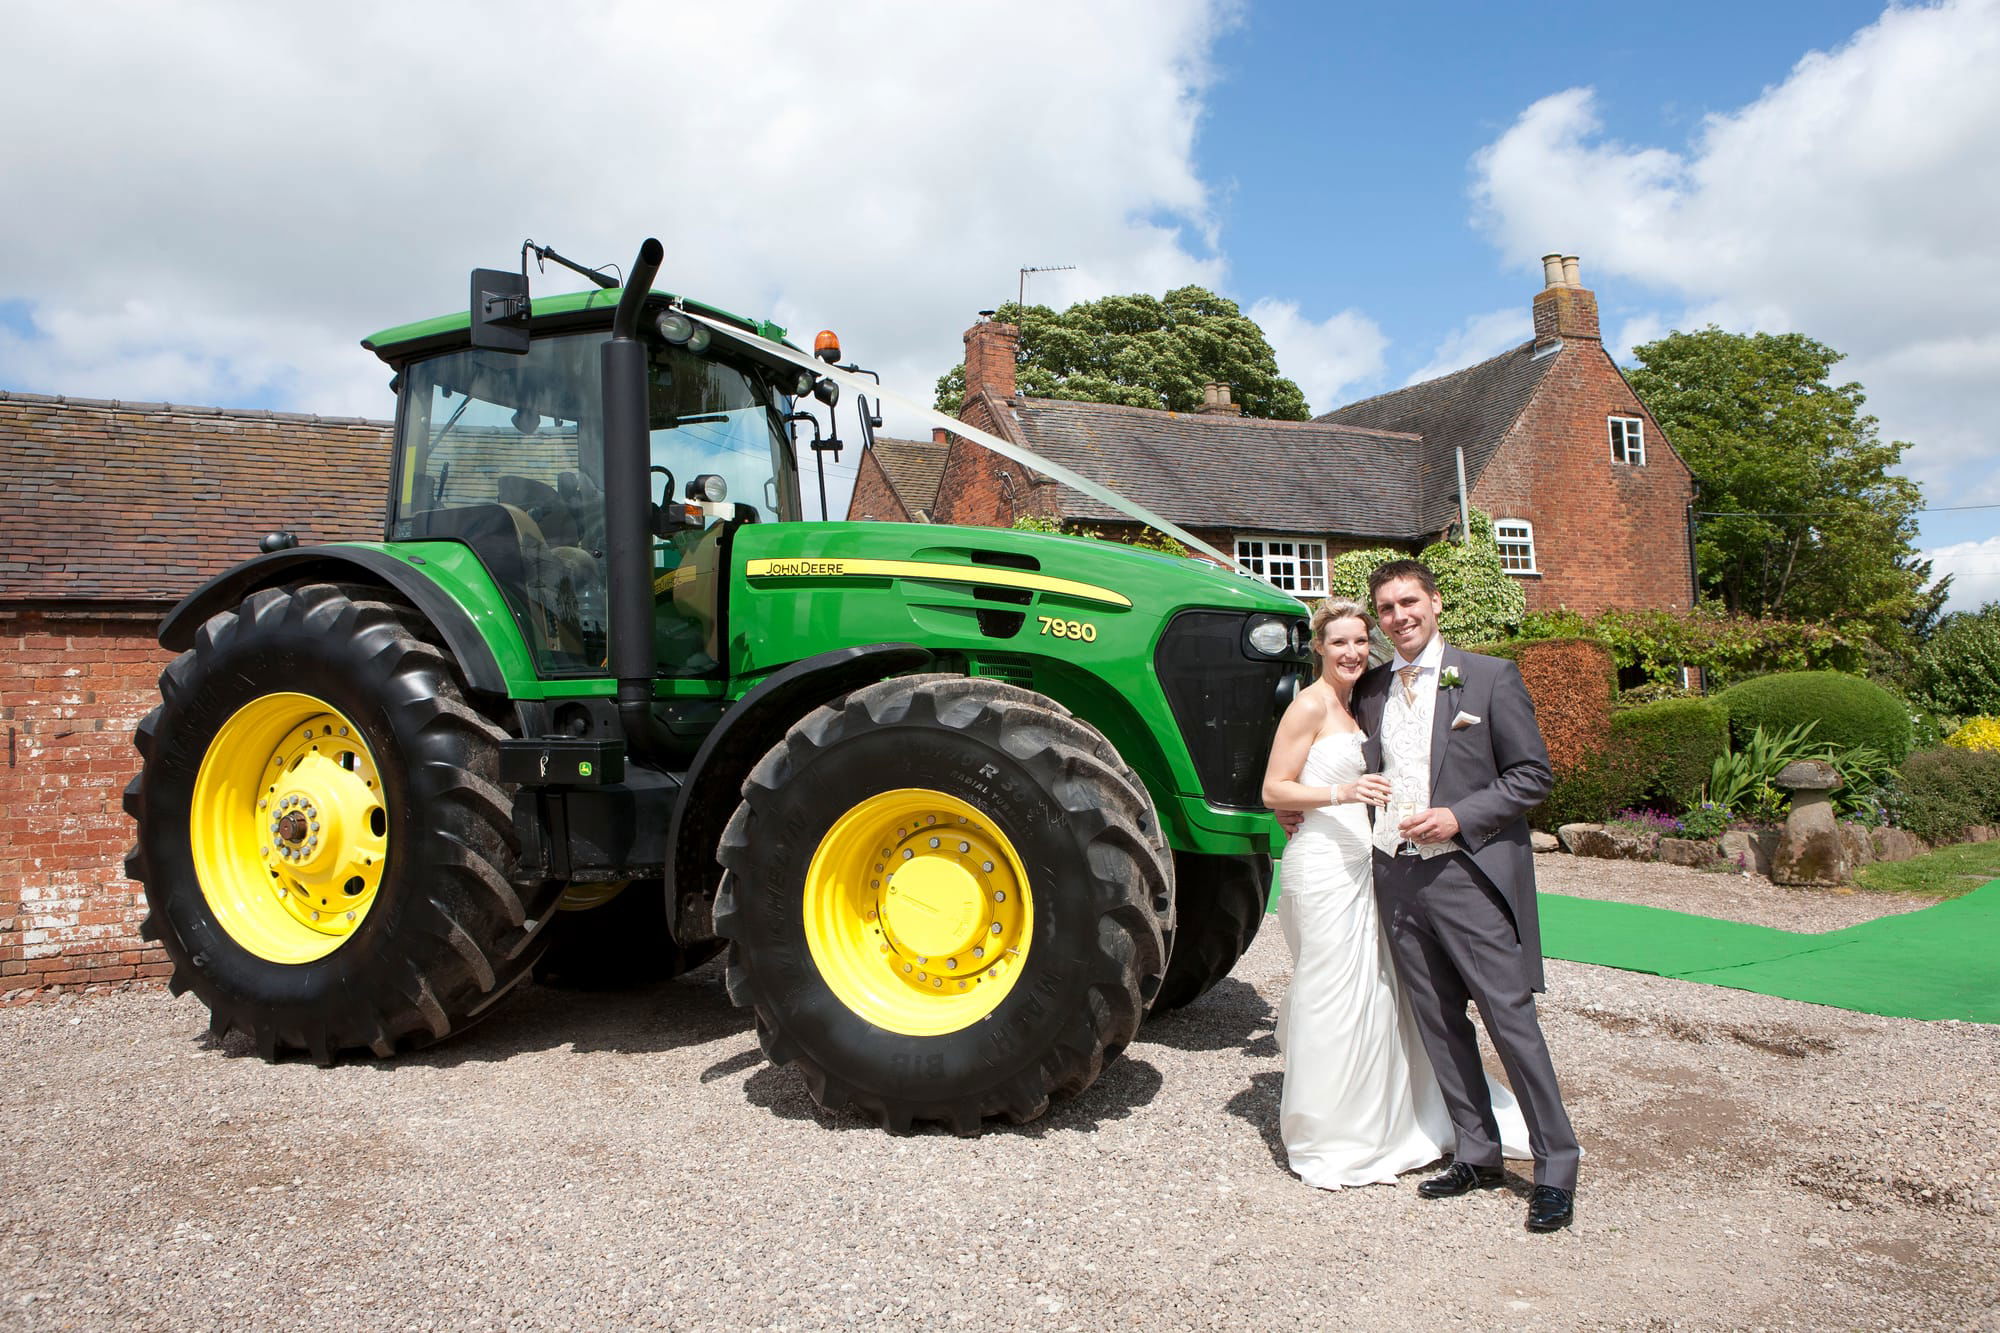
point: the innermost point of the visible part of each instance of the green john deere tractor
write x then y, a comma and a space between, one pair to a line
963, 803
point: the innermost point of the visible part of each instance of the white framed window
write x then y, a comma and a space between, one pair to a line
1516, 539
1628, 440
1297, 566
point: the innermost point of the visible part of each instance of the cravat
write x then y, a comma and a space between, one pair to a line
1409, 675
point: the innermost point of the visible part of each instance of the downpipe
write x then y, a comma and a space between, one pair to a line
628, 535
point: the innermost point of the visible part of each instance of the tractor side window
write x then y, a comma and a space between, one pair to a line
505, 454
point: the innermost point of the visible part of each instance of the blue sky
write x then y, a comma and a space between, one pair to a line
227, 196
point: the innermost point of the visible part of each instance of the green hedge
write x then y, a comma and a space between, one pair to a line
1674, 743
1942, 792
1848, 709
1655, 754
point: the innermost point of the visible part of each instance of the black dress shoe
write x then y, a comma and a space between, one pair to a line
1462, 1178
1550, 1209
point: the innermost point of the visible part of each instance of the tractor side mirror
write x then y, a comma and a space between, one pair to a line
670, 514
500, 310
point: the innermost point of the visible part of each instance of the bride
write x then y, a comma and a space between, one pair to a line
1360, 1104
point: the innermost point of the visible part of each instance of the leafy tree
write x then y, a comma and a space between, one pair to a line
1957, 673
1482, 602
1811, 524
1143, 351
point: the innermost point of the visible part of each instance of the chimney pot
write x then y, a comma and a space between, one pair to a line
1552, 270
1572, 275
939, 435
1215, 399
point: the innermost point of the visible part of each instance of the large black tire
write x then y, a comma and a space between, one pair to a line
433, 933
622, 942
1220, 901
1024, 829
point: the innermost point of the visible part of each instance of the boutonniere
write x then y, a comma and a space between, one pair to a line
1450, 679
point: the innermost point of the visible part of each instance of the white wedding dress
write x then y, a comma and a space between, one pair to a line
1361, 1104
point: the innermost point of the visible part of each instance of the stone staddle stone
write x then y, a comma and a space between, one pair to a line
1811, 850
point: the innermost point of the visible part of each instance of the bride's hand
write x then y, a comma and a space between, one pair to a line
1369, 789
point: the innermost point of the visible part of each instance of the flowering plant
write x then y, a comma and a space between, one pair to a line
1450, 680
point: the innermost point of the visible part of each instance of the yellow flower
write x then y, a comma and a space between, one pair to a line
1981, 733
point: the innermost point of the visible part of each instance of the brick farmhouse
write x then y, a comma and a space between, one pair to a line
112, 513
1590, 501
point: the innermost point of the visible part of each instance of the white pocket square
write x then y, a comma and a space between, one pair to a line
1464, 720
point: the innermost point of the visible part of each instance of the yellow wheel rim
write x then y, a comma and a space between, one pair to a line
288, 828
917, 912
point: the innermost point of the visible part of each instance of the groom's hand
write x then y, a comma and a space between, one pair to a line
1437, 824
1289, 820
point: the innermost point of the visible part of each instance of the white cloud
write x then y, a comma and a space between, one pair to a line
1478, 338
1975, 571
1852, 202
217, 201
1322, 358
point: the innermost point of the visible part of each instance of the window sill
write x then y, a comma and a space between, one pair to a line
1522, 573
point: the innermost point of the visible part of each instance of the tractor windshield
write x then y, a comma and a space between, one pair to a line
505, 453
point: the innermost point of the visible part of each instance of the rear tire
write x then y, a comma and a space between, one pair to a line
944, 899
307, 715
1221, 902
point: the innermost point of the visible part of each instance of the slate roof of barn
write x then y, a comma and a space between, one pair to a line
108, 501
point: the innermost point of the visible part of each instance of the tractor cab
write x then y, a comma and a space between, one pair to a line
505, 453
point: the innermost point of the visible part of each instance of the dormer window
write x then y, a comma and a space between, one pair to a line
1628, 440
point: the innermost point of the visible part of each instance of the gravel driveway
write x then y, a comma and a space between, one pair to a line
630, 1161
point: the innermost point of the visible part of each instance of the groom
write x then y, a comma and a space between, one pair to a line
1455, 734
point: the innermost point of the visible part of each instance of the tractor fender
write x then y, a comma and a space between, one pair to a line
754, 724
360, 564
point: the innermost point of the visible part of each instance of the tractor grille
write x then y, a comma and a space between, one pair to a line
1225, 700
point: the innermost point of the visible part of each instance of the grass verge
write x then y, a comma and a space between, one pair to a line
1946, 873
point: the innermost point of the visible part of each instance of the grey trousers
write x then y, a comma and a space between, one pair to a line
1454, 943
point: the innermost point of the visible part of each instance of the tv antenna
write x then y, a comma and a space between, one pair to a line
1021, 295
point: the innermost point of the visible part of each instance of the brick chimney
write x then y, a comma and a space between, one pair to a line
1564, 308
1215, 402
989, 356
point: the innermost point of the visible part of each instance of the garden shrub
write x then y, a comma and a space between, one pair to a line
1587, 794
1673, 744
1850, 711
1943, 792
1981, 733
1572, 682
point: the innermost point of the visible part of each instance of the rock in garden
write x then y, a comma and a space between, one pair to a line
1748, 849
1544, 842
1696, 852
1860, 847
1894, 844
1615, 844
1569, 833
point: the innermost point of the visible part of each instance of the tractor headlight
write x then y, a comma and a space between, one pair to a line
708, 486
1271, 635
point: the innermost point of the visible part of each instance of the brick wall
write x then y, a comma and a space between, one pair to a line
1606, 534
71, 691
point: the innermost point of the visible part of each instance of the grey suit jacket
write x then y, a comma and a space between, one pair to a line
1490, 774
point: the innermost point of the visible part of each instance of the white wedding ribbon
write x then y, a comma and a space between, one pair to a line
1006, 449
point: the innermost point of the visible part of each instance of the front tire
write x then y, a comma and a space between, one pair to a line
323, 840
1221, 902
945, 900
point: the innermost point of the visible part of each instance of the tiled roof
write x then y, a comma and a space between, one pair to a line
1472, 408
914, 469
120, 502
1213, 470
